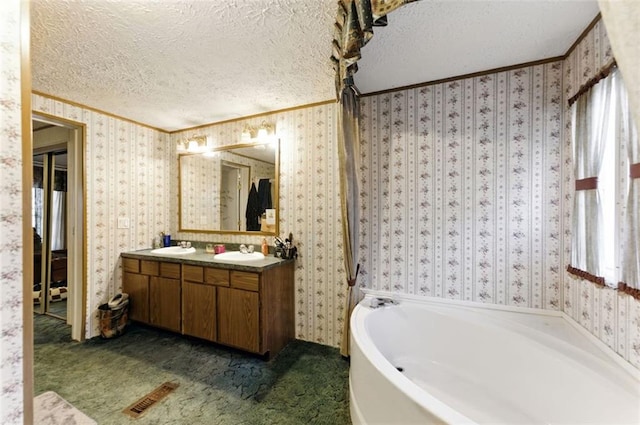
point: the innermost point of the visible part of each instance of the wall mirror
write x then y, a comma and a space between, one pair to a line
231, 189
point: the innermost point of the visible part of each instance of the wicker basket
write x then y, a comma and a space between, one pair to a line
113, 320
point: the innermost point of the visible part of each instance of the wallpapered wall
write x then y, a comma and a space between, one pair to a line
461, 189
126, 176
467, 194
200, 175
11, 354
611, 316
309, 208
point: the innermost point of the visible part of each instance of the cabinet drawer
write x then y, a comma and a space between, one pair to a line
171, 270
131, 265
193, 273
218, 277
149, 268
245, 280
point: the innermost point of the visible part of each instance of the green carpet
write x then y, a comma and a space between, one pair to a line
305, 384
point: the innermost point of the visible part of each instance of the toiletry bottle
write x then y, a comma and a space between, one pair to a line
265, 247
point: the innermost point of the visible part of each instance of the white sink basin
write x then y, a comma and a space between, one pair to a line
173, 250
238, 256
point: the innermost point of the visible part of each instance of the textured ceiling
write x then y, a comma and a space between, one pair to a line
177, 64
434, 39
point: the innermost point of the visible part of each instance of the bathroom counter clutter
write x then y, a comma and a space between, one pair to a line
242, 304
200, 257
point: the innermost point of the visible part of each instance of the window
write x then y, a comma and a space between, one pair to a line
605, 234
608, 191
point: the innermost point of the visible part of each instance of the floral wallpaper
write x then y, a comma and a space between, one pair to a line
126, 177
461, 193
200, 175
126, 172
309, 209
466, 195
11, 306
611, 316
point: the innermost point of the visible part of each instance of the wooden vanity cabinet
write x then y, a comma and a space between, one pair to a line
136, 285
239, 312
199, 300
154, 292
164, 297
252, 311
256, 311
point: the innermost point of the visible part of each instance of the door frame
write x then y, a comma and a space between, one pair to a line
76, 222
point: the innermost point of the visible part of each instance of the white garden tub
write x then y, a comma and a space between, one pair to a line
423, 362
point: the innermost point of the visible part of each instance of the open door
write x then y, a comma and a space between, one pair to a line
58, 216
49, 219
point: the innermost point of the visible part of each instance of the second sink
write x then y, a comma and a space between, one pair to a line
173, 250
238, 256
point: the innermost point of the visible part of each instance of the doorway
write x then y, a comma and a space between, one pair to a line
234, 191
49, 211
59, 287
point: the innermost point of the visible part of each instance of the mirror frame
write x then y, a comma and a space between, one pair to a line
276, 202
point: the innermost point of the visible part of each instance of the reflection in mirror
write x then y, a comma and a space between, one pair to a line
233, 189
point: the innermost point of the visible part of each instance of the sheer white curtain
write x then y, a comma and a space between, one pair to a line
590, 126
58, 209
58, 216
37, 208
630, 273
622, 20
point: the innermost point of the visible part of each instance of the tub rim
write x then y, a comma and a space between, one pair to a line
403, 384
413, 391
632, 371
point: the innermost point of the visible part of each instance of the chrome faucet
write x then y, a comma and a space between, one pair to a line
382, 302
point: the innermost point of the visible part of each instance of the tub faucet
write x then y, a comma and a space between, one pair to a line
382, 302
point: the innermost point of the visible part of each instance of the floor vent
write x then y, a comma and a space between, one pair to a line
142, 405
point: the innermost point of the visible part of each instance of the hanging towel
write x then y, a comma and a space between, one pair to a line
253, 209
264, 194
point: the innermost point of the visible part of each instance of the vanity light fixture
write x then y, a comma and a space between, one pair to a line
262, 133
195, 144
266, 130
248, 133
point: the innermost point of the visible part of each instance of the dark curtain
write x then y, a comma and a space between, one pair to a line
253, 211
353, 29
349, 158
264, 195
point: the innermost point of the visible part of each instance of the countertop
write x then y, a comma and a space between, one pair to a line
201, 258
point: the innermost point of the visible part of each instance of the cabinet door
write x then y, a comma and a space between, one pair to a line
137, 286
239, 318
199, 310
164, 303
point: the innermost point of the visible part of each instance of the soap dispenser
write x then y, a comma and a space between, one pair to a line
265, 247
